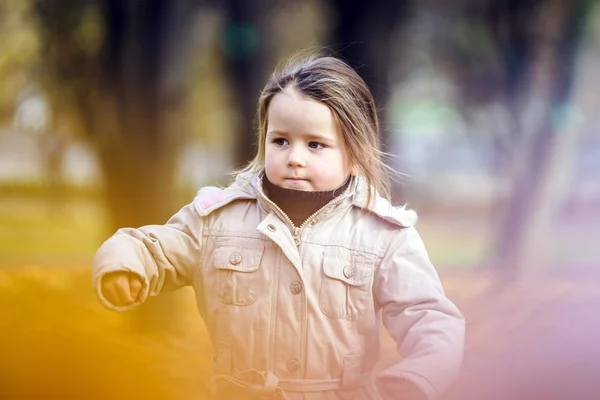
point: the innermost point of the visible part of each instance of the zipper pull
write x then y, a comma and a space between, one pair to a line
297, 236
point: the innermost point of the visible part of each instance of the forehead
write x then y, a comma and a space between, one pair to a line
292, 112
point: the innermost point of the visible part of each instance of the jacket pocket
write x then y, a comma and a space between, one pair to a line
239, 279
346, 285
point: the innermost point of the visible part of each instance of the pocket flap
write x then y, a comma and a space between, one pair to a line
352, 271
240, 259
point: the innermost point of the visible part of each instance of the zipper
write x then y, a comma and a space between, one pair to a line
298, 229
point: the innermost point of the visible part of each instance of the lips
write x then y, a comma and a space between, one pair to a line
296, 179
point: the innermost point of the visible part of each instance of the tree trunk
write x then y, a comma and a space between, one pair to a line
534, 195
125, 85
362, 37
247, 64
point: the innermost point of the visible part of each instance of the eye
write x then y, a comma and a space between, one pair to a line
316, 145
279, 141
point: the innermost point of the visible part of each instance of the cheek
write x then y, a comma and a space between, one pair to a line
271, 162
338, 165
331, 170
270, 154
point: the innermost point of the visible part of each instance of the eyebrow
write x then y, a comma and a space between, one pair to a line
308, 135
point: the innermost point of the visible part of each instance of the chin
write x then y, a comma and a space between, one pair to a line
298, 185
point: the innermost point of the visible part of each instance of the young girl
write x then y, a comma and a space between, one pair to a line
298, 264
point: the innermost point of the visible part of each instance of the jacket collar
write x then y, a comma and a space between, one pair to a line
248, 185
357, 192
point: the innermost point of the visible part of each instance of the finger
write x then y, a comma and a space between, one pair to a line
109, 292
135, 286
123, 291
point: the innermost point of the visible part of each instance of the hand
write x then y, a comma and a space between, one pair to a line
121, 288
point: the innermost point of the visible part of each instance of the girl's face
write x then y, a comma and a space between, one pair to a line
303, 148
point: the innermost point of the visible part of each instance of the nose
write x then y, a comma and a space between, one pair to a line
296, 157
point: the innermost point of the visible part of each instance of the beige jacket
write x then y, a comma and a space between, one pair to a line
297, 311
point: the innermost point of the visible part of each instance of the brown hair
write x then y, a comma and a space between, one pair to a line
334, 83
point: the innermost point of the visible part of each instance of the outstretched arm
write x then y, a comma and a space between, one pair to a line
153, 257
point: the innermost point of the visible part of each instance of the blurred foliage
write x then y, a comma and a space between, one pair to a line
90, 33
19, 52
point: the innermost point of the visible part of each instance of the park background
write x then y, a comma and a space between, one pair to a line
114, 113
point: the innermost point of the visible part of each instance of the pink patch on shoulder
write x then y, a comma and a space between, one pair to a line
211, 199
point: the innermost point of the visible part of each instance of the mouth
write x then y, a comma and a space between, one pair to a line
295, 179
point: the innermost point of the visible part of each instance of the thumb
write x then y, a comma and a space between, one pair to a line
135, 286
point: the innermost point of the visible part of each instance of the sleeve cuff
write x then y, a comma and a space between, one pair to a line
390, 386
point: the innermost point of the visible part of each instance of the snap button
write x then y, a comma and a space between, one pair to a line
296, 287
271, 227
235, 258
293, 365
297, 241
348, 271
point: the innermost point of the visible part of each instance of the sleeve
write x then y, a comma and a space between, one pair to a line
163, 256
427, 327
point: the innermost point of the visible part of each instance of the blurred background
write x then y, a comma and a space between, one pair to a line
114, 113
